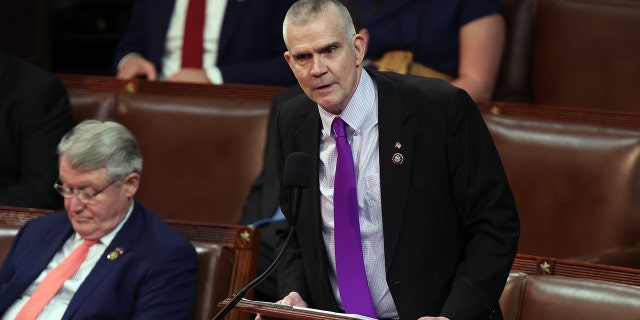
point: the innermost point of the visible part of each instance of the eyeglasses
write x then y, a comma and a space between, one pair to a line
83, 195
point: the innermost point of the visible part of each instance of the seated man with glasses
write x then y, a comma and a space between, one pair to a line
107, 256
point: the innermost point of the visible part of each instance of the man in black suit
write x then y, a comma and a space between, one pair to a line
34, 114
262, 208
437, 217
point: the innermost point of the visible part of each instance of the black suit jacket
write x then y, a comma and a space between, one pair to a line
34, 114
449, 219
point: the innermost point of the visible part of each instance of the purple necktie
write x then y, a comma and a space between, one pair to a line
352, 279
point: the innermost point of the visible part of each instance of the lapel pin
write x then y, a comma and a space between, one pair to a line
397, 158
115, 253
398, 145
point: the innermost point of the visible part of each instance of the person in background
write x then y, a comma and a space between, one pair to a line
461, 41
107, 256
226, 41
34, 114
412, 216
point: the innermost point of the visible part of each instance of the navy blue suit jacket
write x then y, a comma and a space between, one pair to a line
155, 277
250, 50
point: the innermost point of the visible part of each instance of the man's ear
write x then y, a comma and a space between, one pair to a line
365, 35
360, 42
131, 184
287, 57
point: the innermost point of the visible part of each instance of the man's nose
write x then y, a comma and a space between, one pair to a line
75, 204
319, 66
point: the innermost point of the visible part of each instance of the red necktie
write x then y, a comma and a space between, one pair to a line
192, 45
50, 285
350, 271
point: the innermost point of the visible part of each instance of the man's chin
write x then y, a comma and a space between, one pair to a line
83, 226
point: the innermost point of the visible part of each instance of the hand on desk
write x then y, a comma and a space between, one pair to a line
292, 299
192, 75
137, 66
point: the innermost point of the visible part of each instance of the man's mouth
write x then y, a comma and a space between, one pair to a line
323, 87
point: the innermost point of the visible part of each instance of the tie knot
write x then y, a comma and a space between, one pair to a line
89, 243
338, 127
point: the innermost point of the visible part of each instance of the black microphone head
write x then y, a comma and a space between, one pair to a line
297, 170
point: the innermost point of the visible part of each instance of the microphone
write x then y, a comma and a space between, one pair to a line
296, 177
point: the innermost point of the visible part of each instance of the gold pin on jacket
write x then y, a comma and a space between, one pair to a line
115, 253
397, 157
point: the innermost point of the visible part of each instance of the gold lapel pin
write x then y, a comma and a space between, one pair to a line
115, 253
398, 145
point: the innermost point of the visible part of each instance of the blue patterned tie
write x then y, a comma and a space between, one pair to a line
352, 279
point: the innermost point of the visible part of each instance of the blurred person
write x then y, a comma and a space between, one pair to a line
119, 259
234, 42
34, 114
428, 204
461, 41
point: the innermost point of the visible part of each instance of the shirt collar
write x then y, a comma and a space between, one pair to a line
361, 112
107, 238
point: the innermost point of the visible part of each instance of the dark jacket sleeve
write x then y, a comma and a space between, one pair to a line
38, 113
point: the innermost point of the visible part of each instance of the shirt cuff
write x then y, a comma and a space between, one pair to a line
214, 75
129, 55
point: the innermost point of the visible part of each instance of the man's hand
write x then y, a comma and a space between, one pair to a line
190, 75
292, 299
135, 66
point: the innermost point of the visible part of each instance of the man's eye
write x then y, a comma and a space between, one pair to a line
302, 57
330, 50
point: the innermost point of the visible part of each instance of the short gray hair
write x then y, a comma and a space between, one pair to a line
301, 12
94, 144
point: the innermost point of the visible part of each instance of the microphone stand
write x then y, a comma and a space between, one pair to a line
256, 281
296, 177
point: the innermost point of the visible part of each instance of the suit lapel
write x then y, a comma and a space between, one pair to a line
396, 137
52, 241
125, 240
160, 14
51, 245
307, 139
308, 134
235, 9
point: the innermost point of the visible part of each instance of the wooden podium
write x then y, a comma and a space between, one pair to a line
280, 311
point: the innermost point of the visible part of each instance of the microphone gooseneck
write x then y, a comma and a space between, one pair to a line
238, 296
296, 177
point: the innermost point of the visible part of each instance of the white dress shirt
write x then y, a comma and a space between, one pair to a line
361, 117
172, 58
